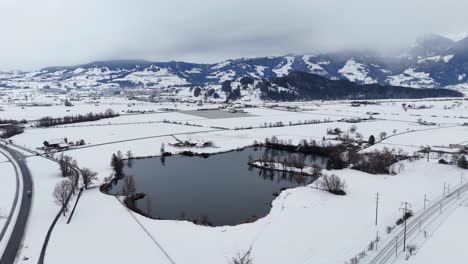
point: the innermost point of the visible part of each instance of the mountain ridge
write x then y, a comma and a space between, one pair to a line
443, 63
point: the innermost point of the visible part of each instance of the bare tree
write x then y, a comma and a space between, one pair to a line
74, 177
117, 163
130, 157
163, 149
88, 176
243, 258
61, 192
129, 186
383, 135
332, 183
66, 164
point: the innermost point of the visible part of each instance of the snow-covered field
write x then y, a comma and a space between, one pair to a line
305, 225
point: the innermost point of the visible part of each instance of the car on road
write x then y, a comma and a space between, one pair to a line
29, 193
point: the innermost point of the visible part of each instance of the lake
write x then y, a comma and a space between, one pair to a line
221, 189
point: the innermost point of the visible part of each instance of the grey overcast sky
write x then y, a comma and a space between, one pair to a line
38, 33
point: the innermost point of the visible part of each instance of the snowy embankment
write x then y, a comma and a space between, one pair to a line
7, 196
305, 225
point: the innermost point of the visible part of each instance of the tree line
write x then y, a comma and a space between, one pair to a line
51, 121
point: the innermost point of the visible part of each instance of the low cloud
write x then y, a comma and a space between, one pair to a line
38, 33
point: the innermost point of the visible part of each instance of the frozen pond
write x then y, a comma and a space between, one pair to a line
221, 189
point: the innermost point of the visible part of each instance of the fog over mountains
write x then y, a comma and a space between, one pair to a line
432, 62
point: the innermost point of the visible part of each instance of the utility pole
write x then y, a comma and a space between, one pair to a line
444, 187
377, 241
425, 200
428, 149
376, 207
405, 211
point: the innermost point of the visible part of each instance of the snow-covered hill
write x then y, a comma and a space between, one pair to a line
432, 62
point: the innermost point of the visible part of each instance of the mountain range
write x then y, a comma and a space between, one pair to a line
432, 62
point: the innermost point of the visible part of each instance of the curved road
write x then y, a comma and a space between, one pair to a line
16, 237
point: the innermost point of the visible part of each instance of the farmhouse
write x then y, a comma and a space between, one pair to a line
58, 144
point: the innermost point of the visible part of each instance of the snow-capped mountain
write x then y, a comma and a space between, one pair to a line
432, 62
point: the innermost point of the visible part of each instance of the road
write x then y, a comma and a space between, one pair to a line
16, 241
19, 228
394, 245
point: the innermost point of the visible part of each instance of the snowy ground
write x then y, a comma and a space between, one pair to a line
305, 225
7, 191
45, 175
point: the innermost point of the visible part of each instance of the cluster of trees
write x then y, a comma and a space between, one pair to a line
462, 162
231, 94
12, 121
197, 91
15, 129
69, 168
226, 86
65, 188
51, 121
376, 162
117, 164
333, 152
333, 184
336, 131
212, 93
12, 131
291, 161
234, 95
342, 155
245, 81
180, 123
67, 165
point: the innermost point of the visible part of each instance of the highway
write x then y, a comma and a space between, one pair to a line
19, 228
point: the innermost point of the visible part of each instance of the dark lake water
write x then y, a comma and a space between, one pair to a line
221, 188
